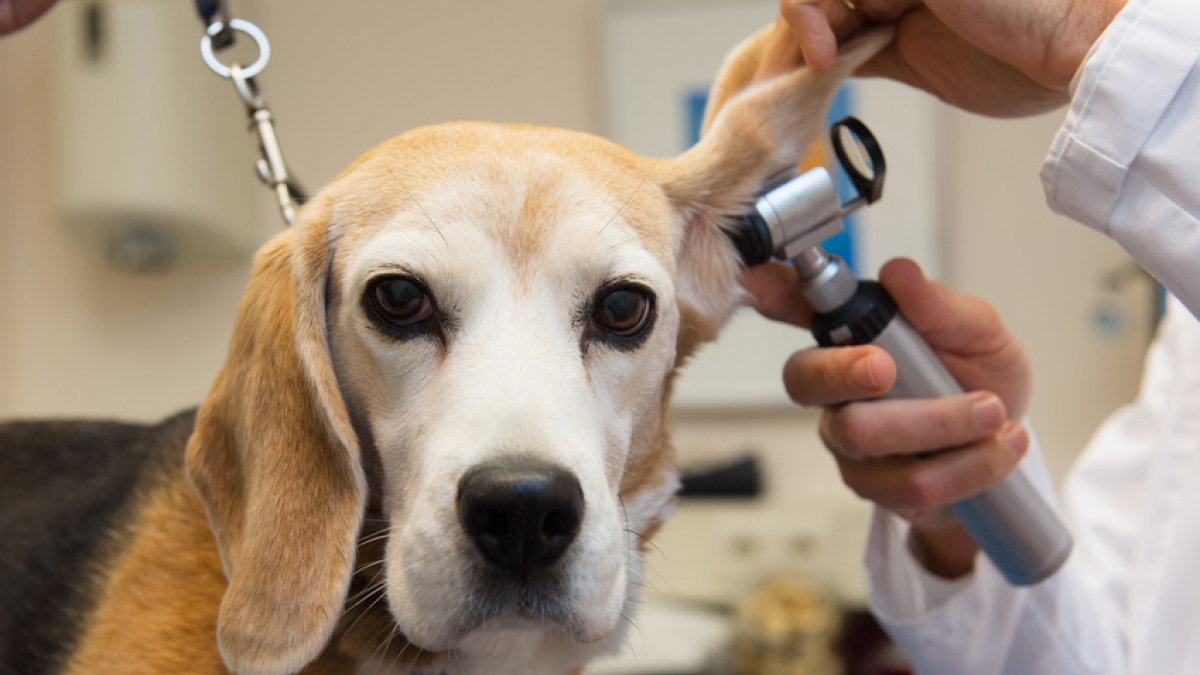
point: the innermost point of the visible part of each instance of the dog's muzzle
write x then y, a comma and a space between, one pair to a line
521, 514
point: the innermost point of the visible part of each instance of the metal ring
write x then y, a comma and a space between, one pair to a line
260, 39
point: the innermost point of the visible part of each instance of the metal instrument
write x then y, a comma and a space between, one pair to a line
1011, 522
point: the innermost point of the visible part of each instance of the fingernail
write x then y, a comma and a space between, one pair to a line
989, 412
1016, 437
863, 374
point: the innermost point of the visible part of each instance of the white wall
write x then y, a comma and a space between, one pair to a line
78, 337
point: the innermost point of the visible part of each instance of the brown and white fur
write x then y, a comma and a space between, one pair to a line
313, 521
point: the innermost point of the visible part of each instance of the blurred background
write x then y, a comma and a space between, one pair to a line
129, 210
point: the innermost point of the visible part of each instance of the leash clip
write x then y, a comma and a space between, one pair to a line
272, 170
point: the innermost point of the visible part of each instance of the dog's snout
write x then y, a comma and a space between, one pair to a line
521, 514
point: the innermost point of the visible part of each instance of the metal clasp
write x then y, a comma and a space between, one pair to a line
271, 168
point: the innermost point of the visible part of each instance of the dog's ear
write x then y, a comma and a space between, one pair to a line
751, 133
276, 463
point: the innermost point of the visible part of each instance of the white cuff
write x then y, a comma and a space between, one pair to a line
1116, 105
901, 591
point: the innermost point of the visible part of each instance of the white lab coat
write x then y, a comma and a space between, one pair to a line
1127, 163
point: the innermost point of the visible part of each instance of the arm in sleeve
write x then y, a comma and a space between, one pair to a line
1125, 160
982, 625
1080, 620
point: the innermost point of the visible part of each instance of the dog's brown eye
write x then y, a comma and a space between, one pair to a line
624, 312
401, 301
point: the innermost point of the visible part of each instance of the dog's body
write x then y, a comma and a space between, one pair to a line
438, 440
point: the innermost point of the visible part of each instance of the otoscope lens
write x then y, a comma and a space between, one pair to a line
856, 152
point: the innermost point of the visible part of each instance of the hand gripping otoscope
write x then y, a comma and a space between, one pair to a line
1011, 522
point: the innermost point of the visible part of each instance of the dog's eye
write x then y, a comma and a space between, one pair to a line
625, 311
400, 300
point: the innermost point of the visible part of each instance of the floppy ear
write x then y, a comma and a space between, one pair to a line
275, 460
752, 132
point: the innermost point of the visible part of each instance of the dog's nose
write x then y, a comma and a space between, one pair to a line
521, 514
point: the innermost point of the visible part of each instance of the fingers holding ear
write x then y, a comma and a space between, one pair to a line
781, 52
818, 25
808, 32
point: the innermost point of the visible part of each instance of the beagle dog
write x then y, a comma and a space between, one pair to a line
438, 442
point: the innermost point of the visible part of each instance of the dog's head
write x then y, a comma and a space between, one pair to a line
464, 349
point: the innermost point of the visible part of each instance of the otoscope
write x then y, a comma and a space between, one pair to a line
1010, 522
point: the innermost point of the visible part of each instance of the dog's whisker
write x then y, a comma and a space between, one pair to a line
649, 172
396, 659
390, 527
375, 577
649, 542
416, 655
660, 576
377, 590
390, 630
633, 624
413, 197
376, 537
368, 566
400, 654
409, 568
628, 640
371, 588
616, 245
462, 668
386, 643
364, 612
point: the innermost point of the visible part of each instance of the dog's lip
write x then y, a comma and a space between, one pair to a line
521, 617
518, 611
515, 620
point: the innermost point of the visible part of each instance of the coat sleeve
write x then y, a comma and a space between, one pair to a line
1080, 620
982, 625
1125, 160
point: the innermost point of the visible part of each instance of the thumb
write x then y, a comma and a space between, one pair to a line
945, 319
924, 303
811, 32
781, 53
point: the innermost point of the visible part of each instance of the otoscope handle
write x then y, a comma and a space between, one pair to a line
1011, 522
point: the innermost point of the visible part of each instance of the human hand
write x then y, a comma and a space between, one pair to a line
913, 457
1004, 58
16, 14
